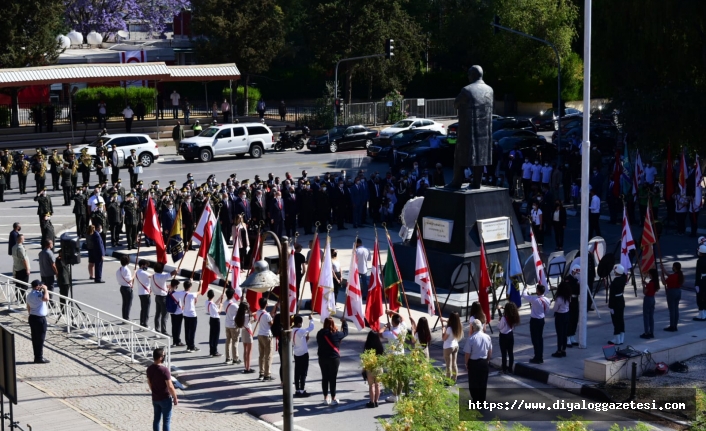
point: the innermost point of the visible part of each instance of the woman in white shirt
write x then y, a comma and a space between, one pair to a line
561, 317
537, 225
477, 313
336, 267
243, 321
452, 334
508, 320
422, 334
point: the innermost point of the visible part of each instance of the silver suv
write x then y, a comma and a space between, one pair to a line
226, 139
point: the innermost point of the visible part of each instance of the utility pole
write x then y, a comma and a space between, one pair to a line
496, 25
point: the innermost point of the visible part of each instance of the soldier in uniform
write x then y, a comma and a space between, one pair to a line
120, 189
306, 207
616, 304
22, 167
115, 163
98, 218
85, 165
74, 171
68, 152
131, 219
101, 163
39, 169
6, 161
55, 166
66, 183
132, 163
79, 211
47, 229
44, 204
115, 219
2, 183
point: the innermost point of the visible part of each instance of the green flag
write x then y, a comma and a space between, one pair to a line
391, 281
215, 266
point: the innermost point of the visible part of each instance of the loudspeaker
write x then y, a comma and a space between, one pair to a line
70, 250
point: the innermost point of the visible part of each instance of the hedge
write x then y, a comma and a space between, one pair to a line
253, 97
87, 99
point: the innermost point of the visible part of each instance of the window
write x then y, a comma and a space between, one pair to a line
118, 142
257, 130
225, 133
238, 131
132, 140
417, 124
427, 123
142, 139
209, 133
358, 130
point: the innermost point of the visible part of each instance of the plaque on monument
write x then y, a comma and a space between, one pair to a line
437, 229
494, 229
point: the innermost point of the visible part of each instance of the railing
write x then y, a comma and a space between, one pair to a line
104, 327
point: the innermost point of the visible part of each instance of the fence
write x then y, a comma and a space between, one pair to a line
103, 327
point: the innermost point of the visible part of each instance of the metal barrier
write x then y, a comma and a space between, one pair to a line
104, 327
439, 108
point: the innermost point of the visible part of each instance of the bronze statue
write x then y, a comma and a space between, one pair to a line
474, 145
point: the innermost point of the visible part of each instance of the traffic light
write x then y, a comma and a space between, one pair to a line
389, 48
496, 23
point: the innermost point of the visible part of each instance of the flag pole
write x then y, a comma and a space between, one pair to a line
420, 243
182, 260
397, 269
316, 288
137, 256
306, 273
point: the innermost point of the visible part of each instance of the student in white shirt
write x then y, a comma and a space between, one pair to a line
243, 322
508, 320
144, 288
594, 215
124, 277
539, 305
395, 332
177, 317
300, 350
213, 309
188, 301
422, 334
561, 317
452, 334
160, 288
263, 325
232, 331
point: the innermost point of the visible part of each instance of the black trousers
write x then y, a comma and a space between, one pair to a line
507, 344
86, 176
80, 224
128, 125
190, 331
99, 269
64, 290
8, 181
133, 180
558, 234
329, 373
115, 175
22, 275
41, 182
22, 180
160, 315
49, 282
694, 217
478, 378
67, 194
681, 222
38, 328
618, 318
561, 324
114, 233
126, 293
144, 310
131, 234
101, 176
594, 228
214, 333
301, 369
536, 329
188, 233
2, 193
176, 328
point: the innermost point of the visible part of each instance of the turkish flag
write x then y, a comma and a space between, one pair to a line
153, 231
484, 284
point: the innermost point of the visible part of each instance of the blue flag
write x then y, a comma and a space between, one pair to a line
515, 269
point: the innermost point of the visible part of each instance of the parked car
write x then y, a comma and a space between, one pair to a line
603, 137
452, 133
512, 123
400, 141
425, 156
344, 137
227, 139
413, 123
506, 133
146, 149
531, 147
547, 120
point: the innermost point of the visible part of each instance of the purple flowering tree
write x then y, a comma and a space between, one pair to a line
107, 17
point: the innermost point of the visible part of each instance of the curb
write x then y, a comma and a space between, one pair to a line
543, 376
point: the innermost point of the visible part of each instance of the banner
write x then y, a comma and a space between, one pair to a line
133, 57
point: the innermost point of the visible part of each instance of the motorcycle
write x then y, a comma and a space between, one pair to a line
287, 140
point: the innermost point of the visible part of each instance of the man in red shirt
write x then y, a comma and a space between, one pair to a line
164, 395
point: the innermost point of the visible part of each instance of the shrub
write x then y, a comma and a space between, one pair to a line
239, 99
87, 99
394, 113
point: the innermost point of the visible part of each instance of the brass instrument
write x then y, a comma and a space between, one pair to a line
57, 161
42, 167
74, 168
87, 160
8, 165
24, 167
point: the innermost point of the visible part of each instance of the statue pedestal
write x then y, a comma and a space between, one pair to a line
455, 262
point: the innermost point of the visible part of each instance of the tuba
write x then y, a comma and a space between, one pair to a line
87, 160
8, 165
57, 161
24, 167
74, 168
42, 167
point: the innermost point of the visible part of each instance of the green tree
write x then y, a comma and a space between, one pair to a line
353, 28
28, 29
249, 33
650, 57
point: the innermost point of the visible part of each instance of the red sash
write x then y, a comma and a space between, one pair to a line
333, 346
141, 284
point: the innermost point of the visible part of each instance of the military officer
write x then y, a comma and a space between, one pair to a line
44, 204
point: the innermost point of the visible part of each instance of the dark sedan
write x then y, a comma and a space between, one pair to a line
604, 138
344, 137
512, 123
547, 120
506, 133
532, 148
425, 156
578, 122
400, 140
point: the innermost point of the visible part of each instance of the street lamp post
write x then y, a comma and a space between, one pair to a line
263, 279
335, 85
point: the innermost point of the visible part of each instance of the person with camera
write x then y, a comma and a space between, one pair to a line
37, 308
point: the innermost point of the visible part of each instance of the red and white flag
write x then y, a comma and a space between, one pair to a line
648, 240
637, 176
134, 57
235, 265
538, 265
374, 307
354, 298
683, 173
292, 275
204, 230
423, 278
626, 242
152, 230
327, 299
